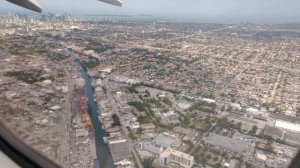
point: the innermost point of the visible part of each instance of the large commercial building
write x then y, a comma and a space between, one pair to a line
233, 145
151, 147
288, 126
177, 157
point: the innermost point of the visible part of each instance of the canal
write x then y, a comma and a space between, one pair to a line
102, 150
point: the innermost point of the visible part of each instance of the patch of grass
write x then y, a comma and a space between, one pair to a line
91, 62
15, 111
168, 101
184, 120
203, 126
202, 106
132, 136
138, 105
99, 46
224, 123
147, 106
143, 119
29, 76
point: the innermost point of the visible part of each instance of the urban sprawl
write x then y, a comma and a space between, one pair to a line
168, 94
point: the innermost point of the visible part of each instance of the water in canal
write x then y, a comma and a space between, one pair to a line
102, 150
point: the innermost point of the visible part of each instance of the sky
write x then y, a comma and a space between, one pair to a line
240, 10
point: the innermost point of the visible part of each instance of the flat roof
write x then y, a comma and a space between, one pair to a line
227, 143
169, 151
284, 117
120, 151
287, 125
81, 132
163, 140
273, 131
292, 136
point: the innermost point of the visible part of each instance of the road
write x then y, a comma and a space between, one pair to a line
66, 122
273, 92
243, 68
135, 155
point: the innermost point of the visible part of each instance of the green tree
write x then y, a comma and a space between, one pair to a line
132, 89
147, 92
253, 130
137, 105
222, 108
116, 120
203, 161
218, 165
208, 156
225, 155
143, 119
185, 121
148, 162
298, 110
132, 136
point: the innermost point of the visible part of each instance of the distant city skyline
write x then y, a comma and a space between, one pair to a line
214, 10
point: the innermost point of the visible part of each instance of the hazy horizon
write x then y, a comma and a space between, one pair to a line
208, 10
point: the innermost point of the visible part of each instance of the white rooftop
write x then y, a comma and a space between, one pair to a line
287, 125
56, 107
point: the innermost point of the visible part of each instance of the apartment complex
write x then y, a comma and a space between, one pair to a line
174, 156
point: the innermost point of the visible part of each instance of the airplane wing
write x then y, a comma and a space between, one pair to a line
113, 2
33, 5
28, 4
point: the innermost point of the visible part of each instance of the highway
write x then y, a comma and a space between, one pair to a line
65, 125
